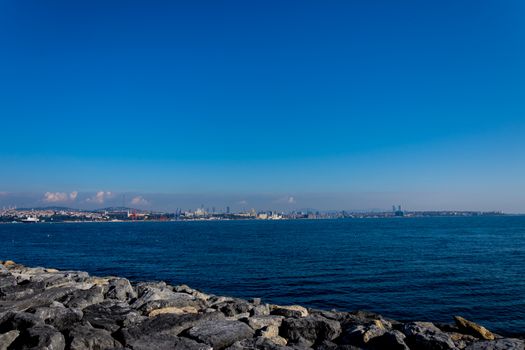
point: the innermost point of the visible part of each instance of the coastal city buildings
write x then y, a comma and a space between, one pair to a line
50, 215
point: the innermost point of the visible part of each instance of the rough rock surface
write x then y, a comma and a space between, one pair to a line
49, 309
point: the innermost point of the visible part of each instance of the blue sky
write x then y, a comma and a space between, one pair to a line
338, 104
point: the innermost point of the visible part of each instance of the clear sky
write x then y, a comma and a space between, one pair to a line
334, 104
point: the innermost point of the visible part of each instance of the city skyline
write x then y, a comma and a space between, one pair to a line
340, 106
351, 202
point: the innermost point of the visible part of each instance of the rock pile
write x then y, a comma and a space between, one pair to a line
49, 309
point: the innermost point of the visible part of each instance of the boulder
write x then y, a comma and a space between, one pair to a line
58, 315
271, 332
38, 299
18, 320
258, 322
260, 310
257, 343
220, 334
361, 335
168, 342
8, 338
178, 300
42, 337
157, 292
164, 325
425, 335
174, 310
469, 327
289, 311
234, 307
394, 340
86, 337
499, 344
82, 298
309, 330
110, 316
120, 289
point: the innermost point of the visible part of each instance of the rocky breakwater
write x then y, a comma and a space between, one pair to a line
49, 309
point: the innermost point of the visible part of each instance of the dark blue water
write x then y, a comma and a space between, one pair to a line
419, 268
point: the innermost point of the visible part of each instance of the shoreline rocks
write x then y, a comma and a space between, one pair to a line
57, 310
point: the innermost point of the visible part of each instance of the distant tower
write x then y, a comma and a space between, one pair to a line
399, 207
393, 208
227, 210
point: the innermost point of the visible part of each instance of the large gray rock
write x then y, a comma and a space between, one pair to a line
500, 344
58, 315
167, 342
474, 329
110, 316
426, 336
8, 338
164, 325
220, 334
309, 330
37, 299
178, 300
361, 335
157, 296
258, 343
234, 307
258, 322
393, 340
120, 289
21, 321
86, 337
41, 337
82, 298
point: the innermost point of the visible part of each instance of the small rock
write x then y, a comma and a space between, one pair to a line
9, 263
469, 327
8, 338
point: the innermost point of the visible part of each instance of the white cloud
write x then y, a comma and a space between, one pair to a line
287, 199
139, 200
54, 197
73, 195
100, 197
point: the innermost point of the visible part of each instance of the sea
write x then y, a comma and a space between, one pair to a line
427, 269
